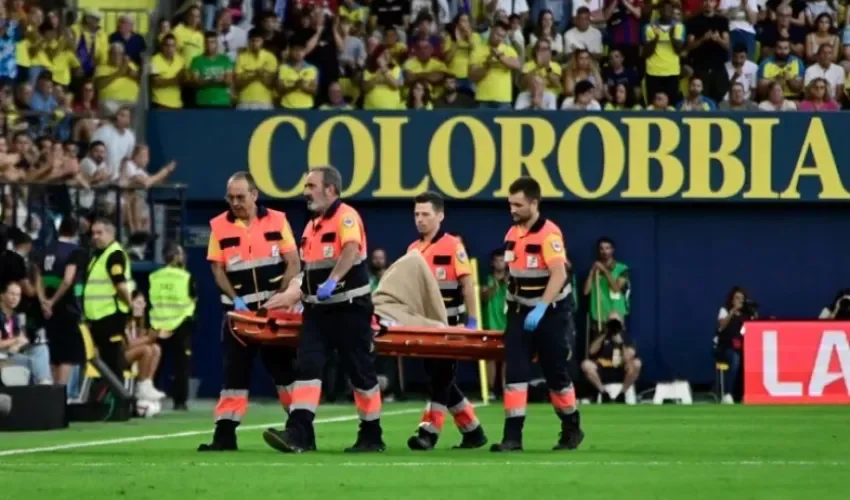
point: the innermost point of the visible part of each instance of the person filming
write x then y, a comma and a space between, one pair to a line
729, 341
612, 358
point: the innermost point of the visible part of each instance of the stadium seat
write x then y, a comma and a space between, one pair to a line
612, 389
677, 390
14, 376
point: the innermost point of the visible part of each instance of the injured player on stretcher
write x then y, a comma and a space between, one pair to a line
407, 295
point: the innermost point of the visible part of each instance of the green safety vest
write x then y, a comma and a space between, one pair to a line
610, 301
100, 298
169, 296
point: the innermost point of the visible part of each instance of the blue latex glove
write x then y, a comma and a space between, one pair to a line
535, 316
326, 289
239, 304
472, 323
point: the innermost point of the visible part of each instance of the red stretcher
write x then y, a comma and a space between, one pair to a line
283, 328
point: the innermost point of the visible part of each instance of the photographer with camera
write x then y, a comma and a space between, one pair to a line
840, 307
729, 341
612, 358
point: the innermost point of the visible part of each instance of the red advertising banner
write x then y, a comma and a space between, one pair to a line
797, 362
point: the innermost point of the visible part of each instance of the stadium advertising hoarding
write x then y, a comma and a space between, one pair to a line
638, 156
797, 362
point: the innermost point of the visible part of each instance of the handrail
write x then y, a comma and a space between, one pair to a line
37, 203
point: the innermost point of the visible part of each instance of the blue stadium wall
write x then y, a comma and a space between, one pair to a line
696, 203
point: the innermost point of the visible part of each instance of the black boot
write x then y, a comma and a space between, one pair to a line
472, 439
507, 445
571, 434
288, 441
423, 440
369, 439
224, 438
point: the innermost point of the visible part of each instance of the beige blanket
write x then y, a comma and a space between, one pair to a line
409, 295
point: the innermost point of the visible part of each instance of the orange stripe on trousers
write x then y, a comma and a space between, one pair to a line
367, 404
232, 404
563, 401
309, 395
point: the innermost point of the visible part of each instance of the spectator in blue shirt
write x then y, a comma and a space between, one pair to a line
134, 44
8, 61
695, 100
43, 101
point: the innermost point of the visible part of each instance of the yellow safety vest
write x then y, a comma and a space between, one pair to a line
100, 298
169, 296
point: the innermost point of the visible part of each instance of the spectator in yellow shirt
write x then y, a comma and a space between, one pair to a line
256, 70
382, 81
425, 68
664, 41
543, 66
168, 72
189, 36
490, 68
117, 81
58, 57
297, 80
458, 46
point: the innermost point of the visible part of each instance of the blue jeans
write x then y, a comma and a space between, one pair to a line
208, 17
748, 40
730, 377
494, 105
36, 359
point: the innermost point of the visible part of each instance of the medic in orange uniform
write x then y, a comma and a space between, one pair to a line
539, 318
337, 316
450, 265
253, 255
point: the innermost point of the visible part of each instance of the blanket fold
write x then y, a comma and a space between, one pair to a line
409, 295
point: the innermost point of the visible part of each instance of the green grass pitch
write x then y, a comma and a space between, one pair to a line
664, 452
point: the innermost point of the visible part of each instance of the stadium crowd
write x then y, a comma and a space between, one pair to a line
543, 54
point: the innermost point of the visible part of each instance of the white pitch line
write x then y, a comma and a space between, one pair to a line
452, 464
156, 437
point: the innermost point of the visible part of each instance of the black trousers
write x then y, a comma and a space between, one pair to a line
667, 84
549, 342
238, 357
178, 348
109, 338
345, 328
442, 376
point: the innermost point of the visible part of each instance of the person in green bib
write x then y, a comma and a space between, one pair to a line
607, 285
493, 295
172, 295
107, 295
212, 74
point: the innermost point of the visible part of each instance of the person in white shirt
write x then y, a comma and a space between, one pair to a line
231, 39
509, 7
829, 71
743, 15
583, 35
596, 9
119, 142
135, 174
548, 30
776, 100
96, 173
537, 97
743, 71
583, 99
